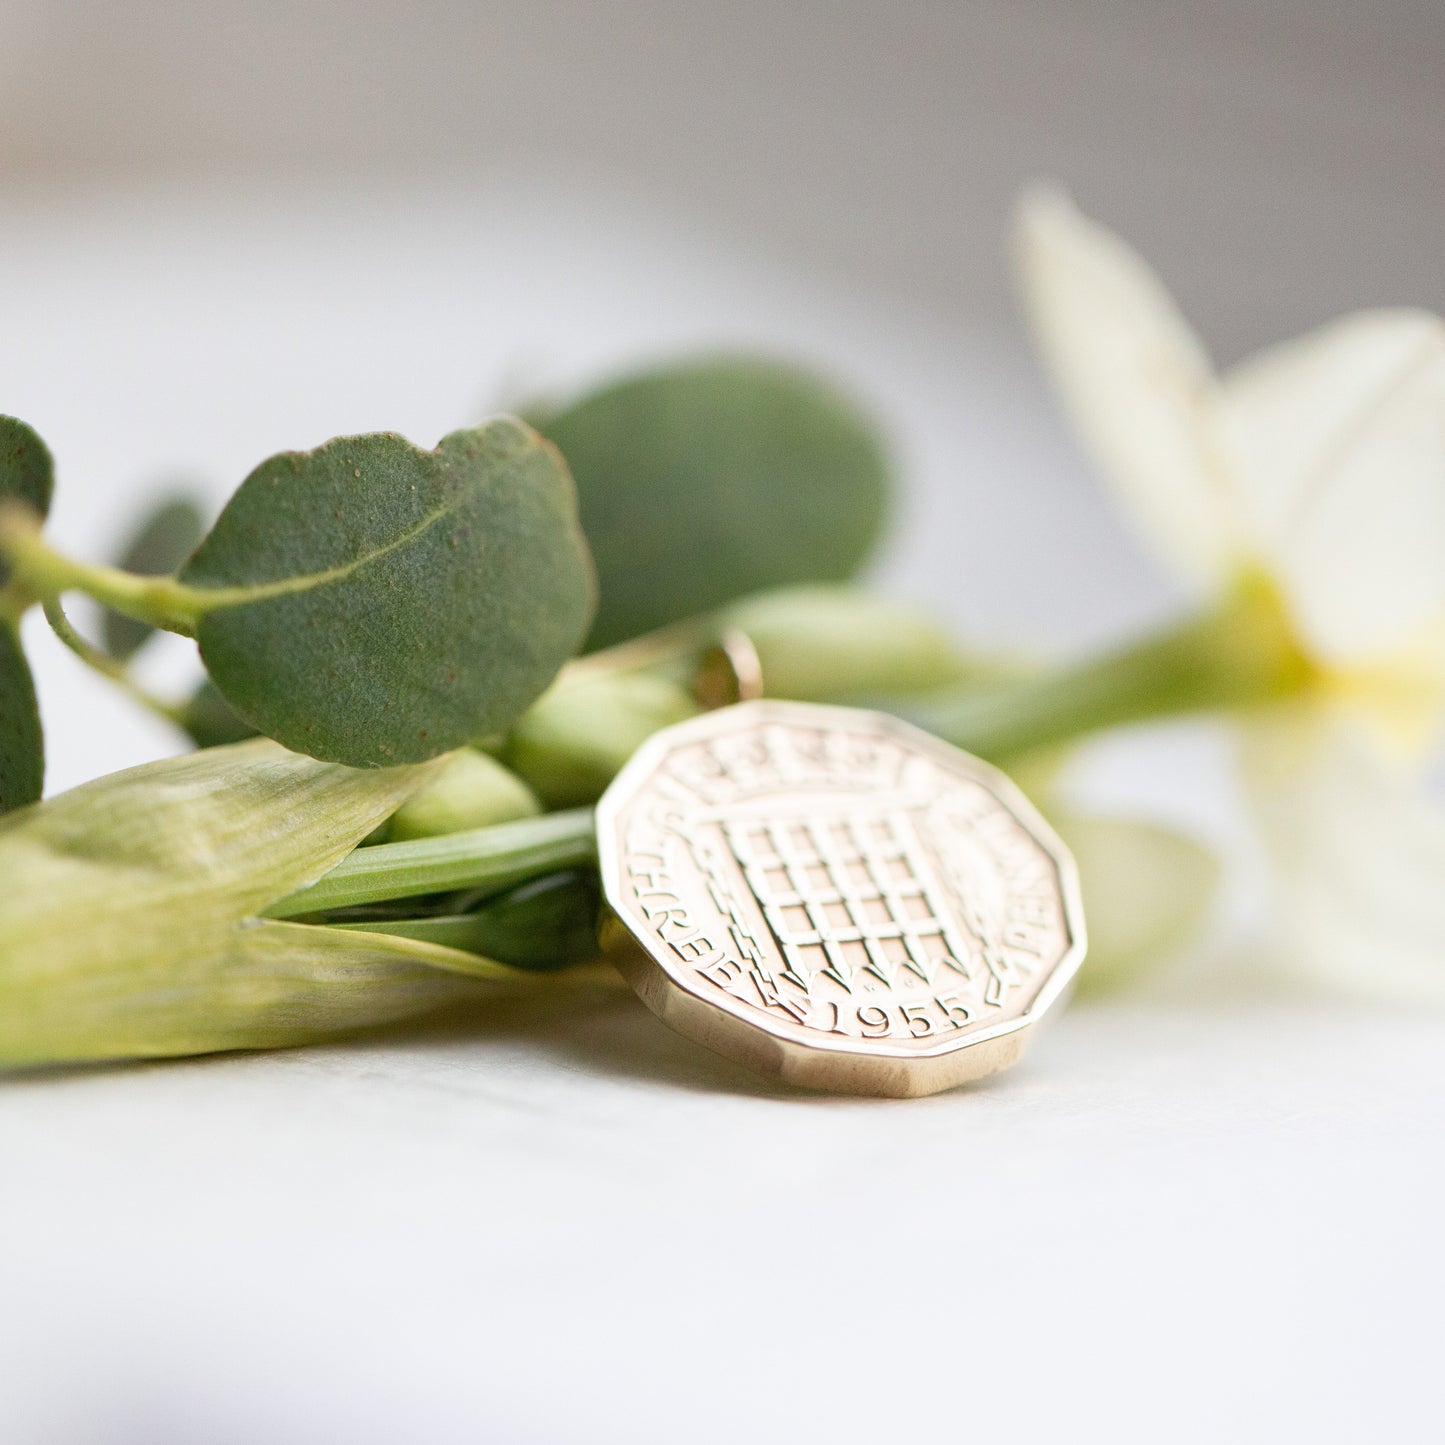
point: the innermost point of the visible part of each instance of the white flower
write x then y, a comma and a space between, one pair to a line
1318, 467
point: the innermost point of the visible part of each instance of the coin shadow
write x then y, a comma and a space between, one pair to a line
608, 1033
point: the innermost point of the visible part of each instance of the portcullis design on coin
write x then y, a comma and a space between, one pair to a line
836, 898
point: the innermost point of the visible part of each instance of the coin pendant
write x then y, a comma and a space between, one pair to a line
835, 898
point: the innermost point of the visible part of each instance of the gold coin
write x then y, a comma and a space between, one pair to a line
835, 898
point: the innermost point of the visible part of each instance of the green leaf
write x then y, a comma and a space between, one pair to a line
27, 473
374, 603
699, 483
22, 743
160, 545
128, 920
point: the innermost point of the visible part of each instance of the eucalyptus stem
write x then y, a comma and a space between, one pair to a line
491, 858
46, 573
1239, 655
16, 599
108, 667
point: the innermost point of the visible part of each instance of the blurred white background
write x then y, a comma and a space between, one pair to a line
228, 230
225, 231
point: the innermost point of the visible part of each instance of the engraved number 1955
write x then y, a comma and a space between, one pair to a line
916, 1020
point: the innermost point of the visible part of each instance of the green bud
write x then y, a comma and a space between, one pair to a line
573, 740
829, 644
208, 718
471, 791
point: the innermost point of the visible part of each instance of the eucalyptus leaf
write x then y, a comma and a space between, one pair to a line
128, 919
159, 546
22, 743
27, 476
27, 473
373, 603
701, 482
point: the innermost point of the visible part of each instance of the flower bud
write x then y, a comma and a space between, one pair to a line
572, 741
826, 644
471, 791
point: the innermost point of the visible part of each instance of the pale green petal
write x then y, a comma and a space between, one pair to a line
225, 829
124, 897
1341, 441
1147, 892
1359, 861
1137, 384
241, 986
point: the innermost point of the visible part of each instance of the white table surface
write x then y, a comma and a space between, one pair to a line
1208, 1213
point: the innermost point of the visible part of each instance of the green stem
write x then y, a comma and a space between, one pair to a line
45, 573
490, 858
109, 667
16, 599
1239, 655
548, 923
